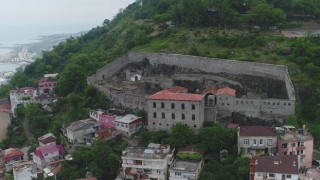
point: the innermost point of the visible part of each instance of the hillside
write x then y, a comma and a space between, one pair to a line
250, 31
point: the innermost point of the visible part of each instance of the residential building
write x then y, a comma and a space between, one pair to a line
47, 85
21, 97
296, 142
45, 154
128, 124
106, 134
25, 171
12, 156
147, 162
47, 139
274, 167
256, 140
2, 165
184, 167
95, 114
171, 106
77, 130
46, 99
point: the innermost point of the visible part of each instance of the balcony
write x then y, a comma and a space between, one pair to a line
301, 148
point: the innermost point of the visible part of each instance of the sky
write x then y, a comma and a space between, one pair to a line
80, 13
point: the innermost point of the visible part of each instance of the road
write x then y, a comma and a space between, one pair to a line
4, 122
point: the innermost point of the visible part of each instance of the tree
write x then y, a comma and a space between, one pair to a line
181, 135
264, 15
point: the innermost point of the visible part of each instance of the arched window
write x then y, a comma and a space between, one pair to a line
154, 104
155, 115
182, 106
172, 105
163, 115
173, 116
162, 105
183, 116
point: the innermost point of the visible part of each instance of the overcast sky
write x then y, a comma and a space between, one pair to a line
59, 12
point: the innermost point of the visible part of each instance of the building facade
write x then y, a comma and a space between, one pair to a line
274, 167
166, 108
21, 97
147, 162
76, 131
256, 140
46, 154
128, 124
297, 142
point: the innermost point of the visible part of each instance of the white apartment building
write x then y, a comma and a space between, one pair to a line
147, 162
22, 97
25, 171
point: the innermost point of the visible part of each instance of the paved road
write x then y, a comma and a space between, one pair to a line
4, 122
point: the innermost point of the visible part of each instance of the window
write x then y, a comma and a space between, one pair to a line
173, 116
154, 104
193, 107
183, 116
261, 142
222, 104
172, 106
246, 141
155, 115
300, 143
163, 115
158, 171
302, 160
160, 124
271, 175
269, 142
177, 173
153, 123
254, 142
193, 117
182, 106
194, 125
162, 105
288, 176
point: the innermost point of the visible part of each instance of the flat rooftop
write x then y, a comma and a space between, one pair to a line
183, 165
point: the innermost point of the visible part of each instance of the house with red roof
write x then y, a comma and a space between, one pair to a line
274, 167
46, 85
257, 140
13, 155
47, 139
168, 107
46, 154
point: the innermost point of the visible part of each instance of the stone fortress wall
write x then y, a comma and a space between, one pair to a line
226, 105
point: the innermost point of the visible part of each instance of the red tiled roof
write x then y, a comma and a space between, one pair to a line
47, 140
168, 95
46, 81
284, 164
257, 131
233, 126
48, 149
11, 153
23, 90
226, 90
178, 89
212, 90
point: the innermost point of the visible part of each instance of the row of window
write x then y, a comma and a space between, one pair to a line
173, 116
264, 103
160, 124
173, 106
300, 144
258, 141
273, 175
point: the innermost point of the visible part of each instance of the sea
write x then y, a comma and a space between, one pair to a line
11, 36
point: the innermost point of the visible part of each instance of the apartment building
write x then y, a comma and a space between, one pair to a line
296, 142
256, 140
147, 162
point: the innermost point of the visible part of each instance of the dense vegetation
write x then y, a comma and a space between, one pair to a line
235, 29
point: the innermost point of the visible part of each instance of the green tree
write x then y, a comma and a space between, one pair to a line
181, 135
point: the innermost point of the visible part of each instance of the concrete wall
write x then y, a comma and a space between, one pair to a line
159, 123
